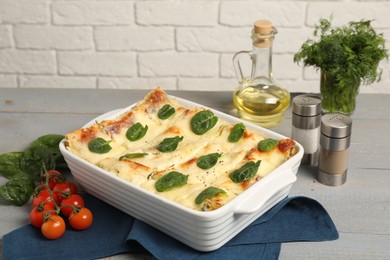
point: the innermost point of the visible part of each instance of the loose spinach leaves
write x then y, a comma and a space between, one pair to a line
23, 168
10, 164
18, 189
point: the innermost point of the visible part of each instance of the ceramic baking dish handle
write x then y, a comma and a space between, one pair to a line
257, 199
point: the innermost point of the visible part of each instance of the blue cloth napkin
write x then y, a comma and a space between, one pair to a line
114, 232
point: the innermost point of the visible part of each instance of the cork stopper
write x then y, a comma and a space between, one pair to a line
263, 27
263, 33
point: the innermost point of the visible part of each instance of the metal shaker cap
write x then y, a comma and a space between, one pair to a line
336, 125
306, 105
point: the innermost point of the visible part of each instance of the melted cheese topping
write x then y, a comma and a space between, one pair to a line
146, 170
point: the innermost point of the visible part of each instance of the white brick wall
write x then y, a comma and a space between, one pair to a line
170, 43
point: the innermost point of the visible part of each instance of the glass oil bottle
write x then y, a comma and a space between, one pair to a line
259, 98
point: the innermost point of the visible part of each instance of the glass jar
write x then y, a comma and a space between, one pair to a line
336, 98
259, 98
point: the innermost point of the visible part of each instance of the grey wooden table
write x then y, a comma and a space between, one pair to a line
360, 208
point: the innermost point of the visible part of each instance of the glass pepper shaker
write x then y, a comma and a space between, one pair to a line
335, 140
306, 121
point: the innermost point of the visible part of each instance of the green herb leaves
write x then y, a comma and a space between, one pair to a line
165, 112
169, 144
23, 168
267, 144
171, 180
245, 172
350, 53
207, 161
203, 121
10, 164
136, 132
236, 133
18, 189
99, 145
130, 156
207, 193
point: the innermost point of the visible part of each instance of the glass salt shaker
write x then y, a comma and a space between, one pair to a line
306, 120
335, 140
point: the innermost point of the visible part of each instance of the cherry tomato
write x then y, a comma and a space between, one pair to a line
69, 203
37, 214
45, 197
52, 177
53, 227
81, 219
65, 188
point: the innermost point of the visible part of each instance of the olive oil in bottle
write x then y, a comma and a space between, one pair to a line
259, 98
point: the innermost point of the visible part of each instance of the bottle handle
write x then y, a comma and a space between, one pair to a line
236, 64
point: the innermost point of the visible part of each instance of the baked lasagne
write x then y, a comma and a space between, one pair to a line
185, 154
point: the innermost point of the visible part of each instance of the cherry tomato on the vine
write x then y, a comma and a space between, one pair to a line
81, 219
69, 203
53, 227
45, 197
55, 194
37, 214
52, 177
65, 188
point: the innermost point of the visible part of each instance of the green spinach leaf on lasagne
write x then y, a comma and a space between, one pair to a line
166, 111
136, 132
203, 121
169, 144
245, 172
171, 180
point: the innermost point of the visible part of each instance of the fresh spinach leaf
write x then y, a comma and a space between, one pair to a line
132, 156
236, 133
166, 111
50, 141
37, 159
18, 190
10, 164
136, 132
203, 121
245, 172
169, 144
171, 180
23, 168
267, 144
207, 193
207, 161
99, 145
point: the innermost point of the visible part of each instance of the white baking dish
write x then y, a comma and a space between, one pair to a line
204, 231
